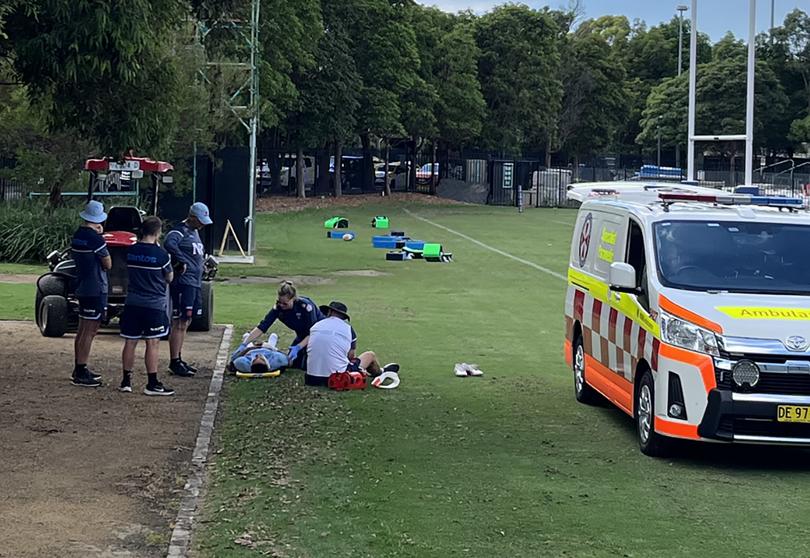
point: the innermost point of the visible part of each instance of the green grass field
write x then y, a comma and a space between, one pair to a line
504, 465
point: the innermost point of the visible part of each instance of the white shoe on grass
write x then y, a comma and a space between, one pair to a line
473, 370
460, 369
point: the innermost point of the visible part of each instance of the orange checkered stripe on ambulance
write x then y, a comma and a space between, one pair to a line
614, 343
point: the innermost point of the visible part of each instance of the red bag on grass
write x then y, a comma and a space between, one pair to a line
343, 381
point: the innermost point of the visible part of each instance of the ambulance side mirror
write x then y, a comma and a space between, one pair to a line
623, 278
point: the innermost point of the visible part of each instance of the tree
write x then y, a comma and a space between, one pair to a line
53, 159
100, 69
594, 102
461, 107
788, 52
721, 93
518, 71
383, 47
290, 34
650, 56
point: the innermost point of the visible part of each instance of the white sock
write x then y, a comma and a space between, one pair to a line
272, 341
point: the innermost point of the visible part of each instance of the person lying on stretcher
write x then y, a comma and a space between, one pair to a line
264, 359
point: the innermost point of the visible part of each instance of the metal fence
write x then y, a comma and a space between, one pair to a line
528, 183
11, 190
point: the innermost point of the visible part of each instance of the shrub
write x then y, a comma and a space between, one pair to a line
30, 230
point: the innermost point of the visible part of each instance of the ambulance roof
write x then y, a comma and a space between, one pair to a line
659, 201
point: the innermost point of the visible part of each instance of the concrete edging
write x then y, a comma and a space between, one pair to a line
181, 535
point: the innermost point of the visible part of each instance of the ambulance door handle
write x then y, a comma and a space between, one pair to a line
616, 296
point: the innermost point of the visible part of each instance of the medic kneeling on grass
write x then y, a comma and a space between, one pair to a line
331, 348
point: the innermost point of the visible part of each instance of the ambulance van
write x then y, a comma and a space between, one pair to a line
689, 309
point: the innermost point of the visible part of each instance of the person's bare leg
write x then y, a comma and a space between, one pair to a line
84, 340
177, 337
368, 362
152, 355
128, 354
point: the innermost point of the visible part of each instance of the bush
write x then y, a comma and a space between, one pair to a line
29, 231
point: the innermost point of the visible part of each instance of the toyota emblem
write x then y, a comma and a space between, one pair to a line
796, 343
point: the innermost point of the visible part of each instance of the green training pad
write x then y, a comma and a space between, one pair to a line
380, 222
336, 223
430, 250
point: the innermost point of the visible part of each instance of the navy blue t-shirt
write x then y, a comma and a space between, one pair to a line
88, 248
149, 266
185, 246
300, 318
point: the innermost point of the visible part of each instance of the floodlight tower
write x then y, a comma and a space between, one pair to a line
243, 99
748, 136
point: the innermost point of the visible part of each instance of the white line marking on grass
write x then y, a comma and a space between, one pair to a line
562, 222
181, 535
490, 248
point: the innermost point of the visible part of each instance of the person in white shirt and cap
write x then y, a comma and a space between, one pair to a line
188, 258
329, 349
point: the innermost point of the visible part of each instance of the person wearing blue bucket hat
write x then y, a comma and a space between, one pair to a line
188, 257
92, 259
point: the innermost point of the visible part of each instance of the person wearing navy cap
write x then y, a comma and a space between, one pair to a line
188, 256
92, 259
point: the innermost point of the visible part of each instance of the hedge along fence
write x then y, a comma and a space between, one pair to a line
29, 230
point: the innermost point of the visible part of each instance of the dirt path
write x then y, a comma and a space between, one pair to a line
91, 472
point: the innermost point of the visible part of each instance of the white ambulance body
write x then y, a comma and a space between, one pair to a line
689, 309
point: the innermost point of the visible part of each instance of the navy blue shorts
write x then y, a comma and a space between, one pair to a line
186, 302
93, 307
138, 322
354, 365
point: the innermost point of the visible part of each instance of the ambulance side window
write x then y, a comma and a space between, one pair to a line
637, 257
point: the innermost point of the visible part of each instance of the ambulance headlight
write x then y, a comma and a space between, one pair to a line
687, 335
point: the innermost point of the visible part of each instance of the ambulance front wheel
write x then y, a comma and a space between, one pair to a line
649, 441
582, 391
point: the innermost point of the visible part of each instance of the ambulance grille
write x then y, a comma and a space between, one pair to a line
758, 427
775, 383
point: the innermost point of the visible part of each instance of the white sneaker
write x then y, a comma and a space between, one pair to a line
460, 369
272, 341
473, 370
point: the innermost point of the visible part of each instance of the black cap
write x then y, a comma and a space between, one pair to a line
337, 307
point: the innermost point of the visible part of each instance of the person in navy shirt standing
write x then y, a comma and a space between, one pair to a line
145, 313
92, 261
298, 313
187, 251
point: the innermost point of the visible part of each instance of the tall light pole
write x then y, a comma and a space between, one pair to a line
659, 142
681, 9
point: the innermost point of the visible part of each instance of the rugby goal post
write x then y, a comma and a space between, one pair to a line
748, 136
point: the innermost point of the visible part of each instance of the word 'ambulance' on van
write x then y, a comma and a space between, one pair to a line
689, 309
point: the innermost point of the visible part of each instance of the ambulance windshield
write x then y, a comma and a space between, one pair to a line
746, 257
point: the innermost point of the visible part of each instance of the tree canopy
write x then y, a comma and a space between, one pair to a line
132, 74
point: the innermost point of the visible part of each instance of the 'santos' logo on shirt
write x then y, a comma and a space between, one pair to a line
141, 258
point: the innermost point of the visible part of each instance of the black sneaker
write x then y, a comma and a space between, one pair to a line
158, 389
391, 367
190, 368
92, 375
177, 368
85, 380
126, 385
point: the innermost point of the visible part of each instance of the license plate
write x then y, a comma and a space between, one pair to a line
792, 413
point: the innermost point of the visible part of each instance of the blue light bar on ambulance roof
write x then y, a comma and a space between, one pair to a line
734, 199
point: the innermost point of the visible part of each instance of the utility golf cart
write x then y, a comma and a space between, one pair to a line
56, 304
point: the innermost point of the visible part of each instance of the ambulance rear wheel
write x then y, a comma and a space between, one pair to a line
649, 441
582, 391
